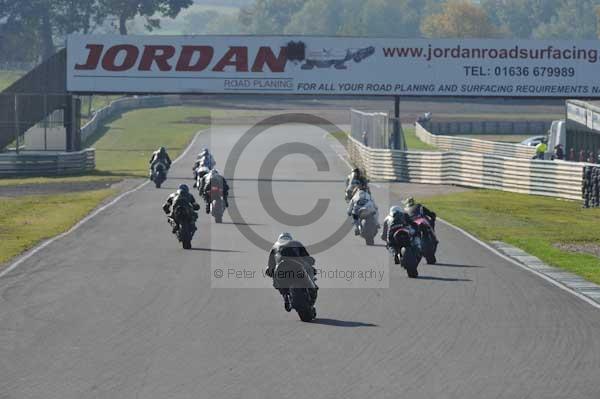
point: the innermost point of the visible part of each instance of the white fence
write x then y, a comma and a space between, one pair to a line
124, 104
46, 163
451, 143
549, 178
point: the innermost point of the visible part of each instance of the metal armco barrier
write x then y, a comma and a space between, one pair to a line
122, 105
451, 143
46, 163
590, 187
550, 178
531, 128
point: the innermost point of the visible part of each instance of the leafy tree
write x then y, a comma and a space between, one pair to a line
399, 18
521, 17
18, 43
575, 19
48, 18
269, 16
126, 10
196, 23
212, 22
225, 24
316, 17
459, 19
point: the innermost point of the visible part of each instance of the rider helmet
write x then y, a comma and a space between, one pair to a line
162, 150
410, 201
394, 210
183, 188
284, 237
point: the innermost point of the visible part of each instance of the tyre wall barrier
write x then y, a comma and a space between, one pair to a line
46, 163
550, 178
590, 186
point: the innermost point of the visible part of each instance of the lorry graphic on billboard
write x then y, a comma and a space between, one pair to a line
326, 58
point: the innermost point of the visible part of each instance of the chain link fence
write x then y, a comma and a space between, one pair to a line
376, 130
36, 121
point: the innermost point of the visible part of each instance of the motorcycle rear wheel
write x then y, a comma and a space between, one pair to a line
301, 302
410, 262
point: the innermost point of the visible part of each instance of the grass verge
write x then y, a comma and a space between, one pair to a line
532, 223
25, 221
9, 77
92, 177
413, 142
341, 137
124, 146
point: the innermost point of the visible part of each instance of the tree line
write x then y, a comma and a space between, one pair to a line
30, 30
536, 19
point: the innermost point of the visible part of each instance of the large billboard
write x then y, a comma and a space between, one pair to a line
333, 65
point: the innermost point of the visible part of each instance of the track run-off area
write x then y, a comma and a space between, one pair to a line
116, 309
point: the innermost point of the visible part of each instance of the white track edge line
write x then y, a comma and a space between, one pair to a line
522, 266
90, 216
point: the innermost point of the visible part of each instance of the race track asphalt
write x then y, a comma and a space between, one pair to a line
117, 309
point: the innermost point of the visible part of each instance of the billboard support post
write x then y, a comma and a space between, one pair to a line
395, 142
17, 128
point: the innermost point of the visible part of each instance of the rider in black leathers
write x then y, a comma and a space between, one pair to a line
286, 246
181, 197
159, 155
415, 210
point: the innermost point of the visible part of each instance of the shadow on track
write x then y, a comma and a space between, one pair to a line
214, 250
245, 179
457, 265
442, 279
342, 323
243, 224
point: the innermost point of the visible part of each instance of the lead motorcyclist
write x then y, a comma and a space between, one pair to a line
415, 210
361, 199
353, 180
286, 246
213, 179
181, 197
388, 221
159, 156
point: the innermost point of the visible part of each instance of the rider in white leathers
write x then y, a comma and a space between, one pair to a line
204, 163
361, 199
